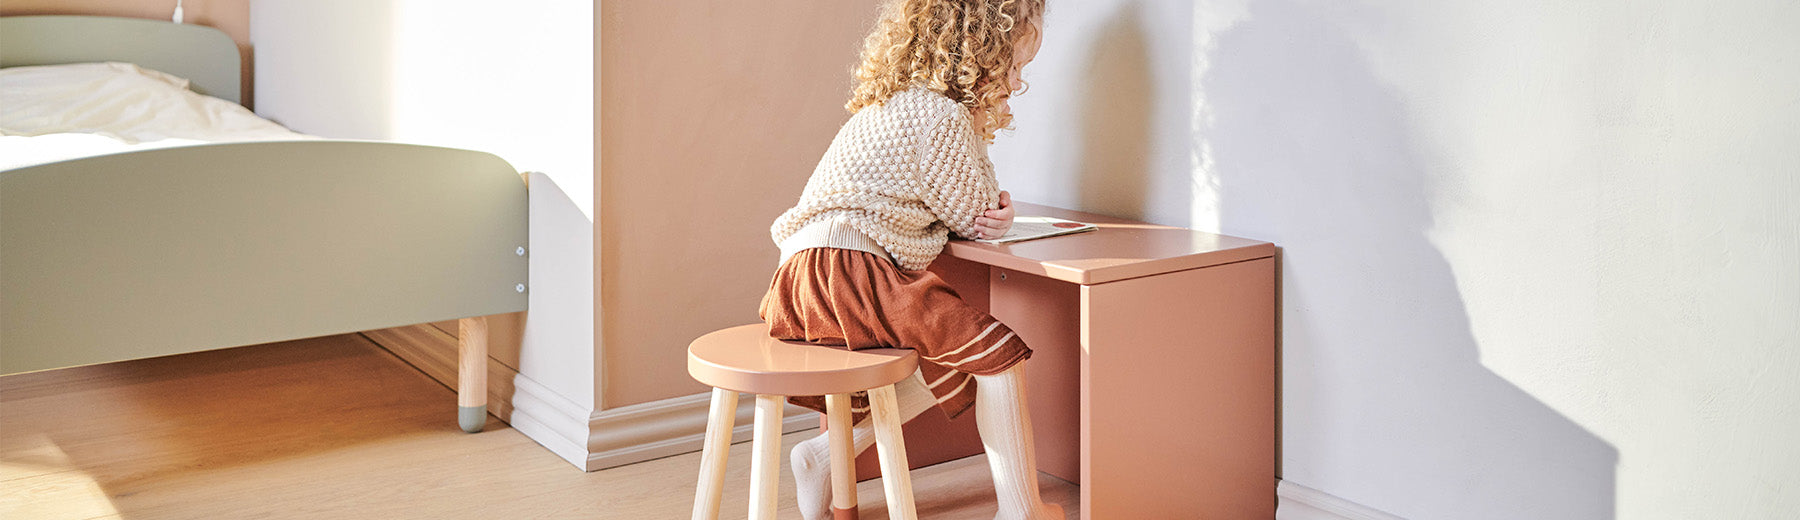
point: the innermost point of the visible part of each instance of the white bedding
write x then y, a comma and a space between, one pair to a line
56, 112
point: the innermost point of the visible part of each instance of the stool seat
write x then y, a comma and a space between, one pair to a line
746, 359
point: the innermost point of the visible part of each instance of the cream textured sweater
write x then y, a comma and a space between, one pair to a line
897, 179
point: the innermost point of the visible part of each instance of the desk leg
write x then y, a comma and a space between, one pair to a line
1046, 314
1178, 394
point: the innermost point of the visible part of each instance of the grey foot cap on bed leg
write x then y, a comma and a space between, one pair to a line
472, 418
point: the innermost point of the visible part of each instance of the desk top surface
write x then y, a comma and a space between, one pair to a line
1119, 250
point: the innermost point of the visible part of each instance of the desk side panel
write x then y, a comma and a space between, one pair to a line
1178, 400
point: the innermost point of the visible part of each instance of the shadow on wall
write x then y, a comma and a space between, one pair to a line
327, 68
1385, 400
1114, 177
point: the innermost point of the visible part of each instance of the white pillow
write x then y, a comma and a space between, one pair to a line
122, 101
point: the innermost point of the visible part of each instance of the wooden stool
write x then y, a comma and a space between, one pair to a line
745, 359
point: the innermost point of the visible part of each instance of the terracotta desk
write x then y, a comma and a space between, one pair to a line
1152, 382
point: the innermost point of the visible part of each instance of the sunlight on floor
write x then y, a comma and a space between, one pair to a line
38, 481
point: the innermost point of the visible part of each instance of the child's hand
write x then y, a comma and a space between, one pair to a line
993, 223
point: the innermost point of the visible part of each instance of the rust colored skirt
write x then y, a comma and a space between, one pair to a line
853, 299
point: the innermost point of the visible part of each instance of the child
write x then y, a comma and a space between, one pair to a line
908, 169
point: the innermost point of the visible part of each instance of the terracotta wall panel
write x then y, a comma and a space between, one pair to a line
712, 116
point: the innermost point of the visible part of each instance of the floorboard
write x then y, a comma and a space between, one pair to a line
336, 427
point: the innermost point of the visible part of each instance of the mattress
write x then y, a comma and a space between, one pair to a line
58, 112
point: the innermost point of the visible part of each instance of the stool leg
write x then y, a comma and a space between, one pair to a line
843, 457
471, 377
765, 467
716, 447
890, 447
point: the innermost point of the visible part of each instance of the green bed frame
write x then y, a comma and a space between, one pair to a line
177, 250
204, 55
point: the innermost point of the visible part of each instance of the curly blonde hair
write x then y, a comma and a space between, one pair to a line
962, 49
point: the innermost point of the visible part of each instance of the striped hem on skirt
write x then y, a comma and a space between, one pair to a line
853, 299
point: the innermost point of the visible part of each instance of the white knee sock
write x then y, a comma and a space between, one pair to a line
1005, 423
811, 458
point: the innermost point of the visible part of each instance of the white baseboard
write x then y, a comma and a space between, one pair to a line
1297, 502
630, 434
668, 427
554, 421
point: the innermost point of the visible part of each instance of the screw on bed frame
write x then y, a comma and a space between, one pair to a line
520, 251
520, 287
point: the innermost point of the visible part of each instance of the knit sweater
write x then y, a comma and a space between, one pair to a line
896, 181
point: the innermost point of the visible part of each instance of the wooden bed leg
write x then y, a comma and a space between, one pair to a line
471, 379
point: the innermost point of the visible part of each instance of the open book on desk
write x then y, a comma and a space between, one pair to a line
1029, 228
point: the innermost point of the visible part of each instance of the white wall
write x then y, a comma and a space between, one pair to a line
1539, 256
1106, 122
514, 79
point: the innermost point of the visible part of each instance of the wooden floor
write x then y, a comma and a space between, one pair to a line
957, 490
336, 427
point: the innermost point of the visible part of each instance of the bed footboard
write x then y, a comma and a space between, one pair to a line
179, 250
